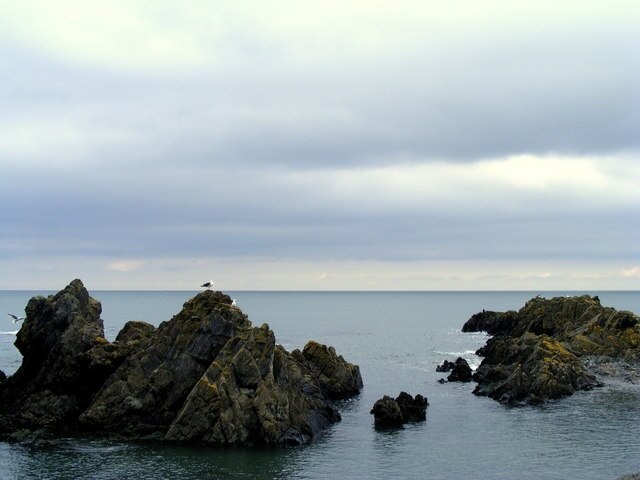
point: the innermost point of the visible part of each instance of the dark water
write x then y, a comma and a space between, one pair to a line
397, 339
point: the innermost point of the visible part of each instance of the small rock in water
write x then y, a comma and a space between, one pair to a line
461, 371
388, 412
446, 366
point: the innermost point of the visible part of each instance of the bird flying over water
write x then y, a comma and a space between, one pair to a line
15, 318
208, 284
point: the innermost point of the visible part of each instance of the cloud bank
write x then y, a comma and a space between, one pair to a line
423, 145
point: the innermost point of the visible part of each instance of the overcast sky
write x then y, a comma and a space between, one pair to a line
397, 145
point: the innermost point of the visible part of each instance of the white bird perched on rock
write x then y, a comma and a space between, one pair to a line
208, 284
16, 319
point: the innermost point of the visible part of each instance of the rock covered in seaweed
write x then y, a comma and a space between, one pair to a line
204, 376
389, 412
145, 393
541, 351
531, 369
254, 392
339, 378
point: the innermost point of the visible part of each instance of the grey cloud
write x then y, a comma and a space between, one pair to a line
196, 164
461, 103
218, 213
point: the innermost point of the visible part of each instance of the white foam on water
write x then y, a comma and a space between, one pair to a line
9, 333
459, 354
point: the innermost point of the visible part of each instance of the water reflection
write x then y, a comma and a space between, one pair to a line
103, 460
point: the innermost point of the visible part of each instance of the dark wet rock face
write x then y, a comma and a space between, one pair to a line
205, 376
446, 366
461, 371
388, 412
549, 348
493, 323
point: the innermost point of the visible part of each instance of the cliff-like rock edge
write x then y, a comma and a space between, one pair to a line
551, 348
207, 376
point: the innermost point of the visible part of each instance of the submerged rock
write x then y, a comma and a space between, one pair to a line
205, 376
545, 350
388, 412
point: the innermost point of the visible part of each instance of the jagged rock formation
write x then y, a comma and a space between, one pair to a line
148, 389
254, 392
388, 412
54, 383
205, 376
338, 378
541, 352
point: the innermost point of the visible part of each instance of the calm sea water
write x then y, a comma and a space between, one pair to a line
397, 339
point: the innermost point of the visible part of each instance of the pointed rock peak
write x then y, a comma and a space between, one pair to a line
206, 303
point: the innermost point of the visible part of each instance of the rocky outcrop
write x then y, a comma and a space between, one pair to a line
446, 366
545, 350
388, 412
205, 376
460, 370
254, 392
54, 384
145, 393
493, 323
337, 377
531, 369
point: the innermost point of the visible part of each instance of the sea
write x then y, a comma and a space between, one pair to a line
397, 339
